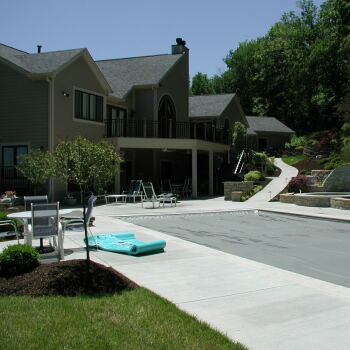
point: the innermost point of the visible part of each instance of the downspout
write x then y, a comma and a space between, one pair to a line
51, 129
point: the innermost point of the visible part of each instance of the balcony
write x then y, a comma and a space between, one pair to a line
167, 129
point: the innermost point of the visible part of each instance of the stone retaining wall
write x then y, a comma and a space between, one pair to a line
307, 201
340, 203
236, 186
319, 175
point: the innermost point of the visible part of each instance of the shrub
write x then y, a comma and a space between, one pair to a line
254, 191
346, 152
259, 159
346, 140
346, 129
17, 259
254, 175
304, 172
298, 141
299, 148
334, 160
298, 183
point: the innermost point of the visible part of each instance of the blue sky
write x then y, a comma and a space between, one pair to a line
116, 29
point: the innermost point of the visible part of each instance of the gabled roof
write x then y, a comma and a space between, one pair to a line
124, 74
266, 124
208, 105
38, 63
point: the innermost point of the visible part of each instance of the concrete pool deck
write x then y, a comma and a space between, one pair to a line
262, 306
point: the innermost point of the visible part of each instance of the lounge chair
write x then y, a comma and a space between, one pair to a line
46, 224
150, 196
134, 190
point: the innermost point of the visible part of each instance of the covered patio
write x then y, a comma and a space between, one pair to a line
177, 159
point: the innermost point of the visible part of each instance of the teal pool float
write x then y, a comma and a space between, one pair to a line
126, 243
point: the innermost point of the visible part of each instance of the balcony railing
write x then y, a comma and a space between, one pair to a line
167, 129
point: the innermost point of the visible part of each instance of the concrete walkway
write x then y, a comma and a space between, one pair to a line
262, 306
277, 184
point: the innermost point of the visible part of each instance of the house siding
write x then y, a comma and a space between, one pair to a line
175, 84
143, 104
233, 113
78, 75
23, 109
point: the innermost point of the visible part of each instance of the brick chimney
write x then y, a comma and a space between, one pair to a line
179, 48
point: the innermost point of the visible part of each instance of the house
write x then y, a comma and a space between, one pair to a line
139, 104
266, 133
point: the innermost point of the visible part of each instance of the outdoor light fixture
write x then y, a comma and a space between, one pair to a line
65, 94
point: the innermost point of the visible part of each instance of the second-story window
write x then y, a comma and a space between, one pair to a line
88, 106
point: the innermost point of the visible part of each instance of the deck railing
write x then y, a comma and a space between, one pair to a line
167, 129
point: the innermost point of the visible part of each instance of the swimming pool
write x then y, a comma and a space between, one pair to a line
313, 247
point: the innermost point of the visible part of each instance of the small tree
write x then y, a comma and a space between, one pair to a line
86, 163
37, 166
239, 133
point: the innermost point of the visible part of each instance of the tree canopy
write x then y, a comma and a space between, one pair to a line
298, 72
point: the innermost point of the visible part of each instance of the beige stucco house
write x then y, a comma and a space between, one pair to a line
140, 104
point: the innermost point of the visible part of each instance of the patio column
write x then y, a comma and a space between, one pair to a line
194, 173
117, 183
117, 178
211, 174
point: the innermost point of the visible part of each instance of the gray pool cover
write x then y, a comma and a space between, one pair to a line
312, 247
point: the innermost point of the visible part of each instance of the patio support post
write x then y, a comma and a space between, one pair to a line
194, 173
211, 174
117, 179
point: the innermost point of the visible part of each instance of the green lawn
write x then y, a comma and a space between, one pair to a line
136, 319
294, 159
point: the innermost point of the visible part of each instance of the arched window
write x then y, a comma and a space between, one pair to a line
166, 117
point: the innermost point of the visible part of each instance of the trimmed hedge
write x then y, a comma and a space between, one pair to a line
17, 259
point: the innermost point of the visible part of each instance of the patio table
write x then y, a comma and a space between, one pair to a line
25, 217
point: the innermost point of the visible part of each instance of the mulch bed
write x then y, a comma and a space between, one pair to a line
67, 278
308, 165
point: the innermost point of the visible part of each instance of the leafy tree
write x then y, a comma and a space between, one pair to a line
86, 163
299, 71
239, 133
201, 85
37, 166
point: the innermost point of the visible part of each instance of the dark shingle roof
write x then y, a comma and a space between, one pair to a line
209, 105
12, 55
266, 124
45, 62
124, 74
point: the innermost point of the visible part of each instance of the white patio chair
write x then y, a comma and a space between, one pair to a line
46, 224
135, 190
76, 221
9, 223
150, 196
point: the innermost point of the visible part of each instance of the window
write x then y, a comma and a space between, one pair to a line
116, 121
10, 160
88, 106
